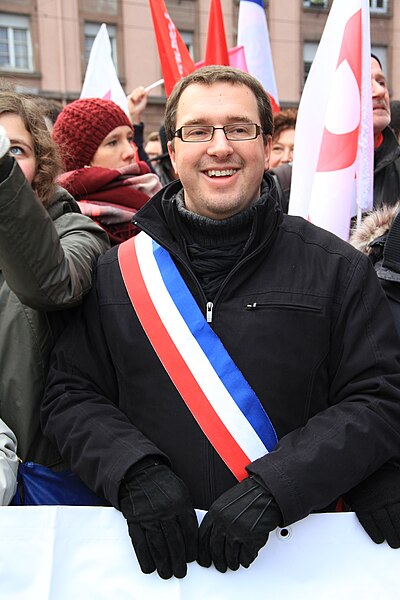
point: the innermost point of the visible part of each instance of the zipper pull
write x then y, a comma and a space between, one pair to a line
251, 306
209, 312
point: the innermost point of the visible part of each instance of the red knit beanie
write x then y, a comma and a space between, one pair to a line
82, 126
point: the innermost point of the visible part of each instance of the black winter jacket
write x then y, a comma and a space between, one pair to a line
304, 318
387, 170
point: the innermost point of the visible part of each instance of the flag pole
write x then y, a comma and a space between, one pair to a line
154, 85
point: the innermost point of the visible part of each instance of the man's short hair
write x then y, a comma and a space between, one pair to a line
215, 74
377, 60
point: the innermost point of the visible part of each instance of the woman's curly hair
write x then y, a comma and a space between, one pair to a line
48, 164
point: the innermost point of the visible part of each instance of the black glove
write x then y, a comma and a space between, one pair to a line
376, 501
237, 526
161, 520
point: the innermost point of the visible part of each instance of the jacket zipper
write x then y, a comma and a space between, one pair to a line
210, 306
209, 311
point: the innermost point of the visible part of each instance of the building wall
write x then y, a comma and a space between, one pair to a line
57, 30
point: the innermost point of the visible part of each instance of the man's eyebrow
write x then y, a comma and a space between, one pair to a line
228, 120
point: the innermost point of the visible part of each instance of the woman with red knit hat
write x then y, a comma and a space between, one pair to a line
103, 172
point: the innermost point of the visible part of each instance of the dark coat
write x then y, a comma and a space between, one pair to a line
304, 318
387, 170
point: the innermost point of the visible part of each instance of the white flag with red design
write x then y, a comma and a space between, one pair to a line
333, 149
101, 80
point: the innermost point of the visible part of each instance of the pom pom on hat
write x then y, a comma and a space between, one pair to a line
82, 126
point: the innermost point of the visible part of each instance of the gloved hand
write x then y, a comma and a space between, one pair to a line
376, 502
237, 526
161, 520
4, 142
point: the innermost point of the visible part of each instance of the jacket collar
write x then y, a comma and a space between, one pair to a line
159, 216
387, 152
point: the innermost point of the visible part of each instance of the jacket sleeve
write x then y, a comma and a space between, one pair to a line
48, 264
8, 464
360, 428
80, 412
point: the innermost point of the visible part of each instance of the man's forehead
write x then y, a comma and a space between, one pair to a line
375, 66
221, 97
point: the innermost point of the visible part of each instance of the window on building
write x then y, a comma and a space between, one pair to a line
315, 3
15, 43
309, 52
91, 30
187, 37
378, 6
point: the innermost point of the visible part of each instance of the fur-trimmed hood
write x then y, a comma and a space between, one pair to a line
374, 225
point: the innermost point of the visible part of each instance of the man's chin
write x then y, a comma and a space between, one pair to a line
380, 122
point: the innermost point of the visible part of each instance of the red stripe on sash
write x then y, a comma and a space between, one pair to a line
177, 369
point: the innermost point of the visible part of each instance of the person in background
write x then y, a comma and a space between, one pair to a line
48, 252
395, 118
8, 464
378, 497
50, 109
282, 153
283, 138
387, 149
378, 236
137, 102
219, 281
102, 170
160, 162
153, 146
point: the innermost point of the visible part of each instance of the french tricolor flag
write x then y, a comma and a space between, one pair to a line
254, 36
333, 151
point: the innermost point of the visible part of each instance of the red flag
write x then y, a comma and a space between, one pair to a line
216, 47
175, 59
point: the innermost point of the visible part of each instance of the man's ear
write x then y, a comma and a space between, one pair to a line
267, 152
171, 152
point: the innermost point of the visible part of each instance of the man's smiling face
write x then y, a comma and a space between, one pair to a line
220, 177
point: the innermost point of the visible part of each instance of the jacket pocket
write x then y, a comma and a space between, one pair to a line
283, 306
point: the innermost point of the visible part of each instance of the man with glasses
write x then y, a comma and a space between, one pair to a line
229, 358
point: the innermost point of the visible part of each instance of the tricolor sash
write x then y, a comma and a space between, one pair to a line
215, 391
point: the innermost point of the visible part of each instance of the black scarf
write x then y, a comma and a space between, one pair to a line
214, 247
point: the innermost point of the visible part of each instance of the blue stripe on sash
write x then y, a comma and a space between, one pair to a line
213, 348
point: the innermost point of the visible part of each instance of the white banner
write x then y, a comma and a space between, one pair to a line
101, 79
84, 553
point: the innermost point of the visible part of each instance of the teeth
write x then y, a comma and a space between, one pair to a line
224, 173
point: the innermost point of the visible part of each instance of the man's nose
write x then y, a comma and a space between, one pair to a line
219, 143
377, 89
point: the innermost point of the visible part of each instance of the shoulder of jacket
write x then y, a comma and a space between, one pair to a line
310, 235
70, 223
62, 203
108, 258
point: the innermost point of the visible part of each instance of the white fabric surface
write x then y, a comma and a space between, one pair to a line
83, 553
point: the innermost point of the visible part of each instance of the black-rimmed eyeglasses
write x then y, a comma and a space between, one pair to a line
236, 132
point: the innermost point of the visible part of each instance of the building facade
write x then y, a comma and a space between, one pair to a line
45, 44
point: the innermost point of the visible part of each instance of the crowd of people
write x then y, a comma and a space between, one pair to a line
176, 340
